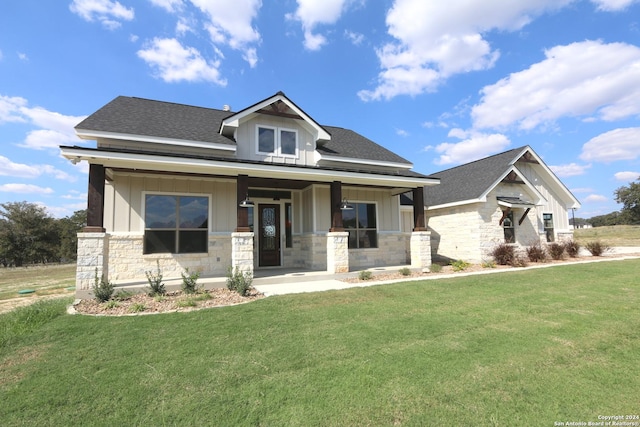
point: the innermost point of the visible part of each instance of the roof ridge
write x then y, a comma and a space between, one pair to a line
481, 159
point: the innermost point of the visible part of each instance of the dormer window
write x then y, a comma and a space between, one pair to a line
275, 141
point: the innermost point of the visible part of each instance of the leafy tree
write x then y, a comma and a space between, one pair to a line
630, 199
69, 228
27, 234
613, 218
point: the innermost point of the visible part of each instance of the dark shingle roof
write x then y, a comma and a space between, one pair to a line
146, 117
469, 181
137, 116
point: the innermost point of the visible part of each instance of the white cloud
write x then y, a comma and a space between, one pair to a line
627, 176
232, 24
474, 146
435, 40
20, 170
108, 13
596, 198
23, 56
168, 5
312, 13
24, 189
613, 5
572, 169
10, 109
402, 132
582, 79
355, 38
174, 62
582, 190
54, 128
617, 144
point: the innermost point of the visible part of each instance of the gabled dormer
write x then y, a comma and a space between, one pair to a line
275, 130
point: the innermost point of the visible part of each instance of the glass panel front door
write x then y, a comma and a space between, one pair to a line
269, 237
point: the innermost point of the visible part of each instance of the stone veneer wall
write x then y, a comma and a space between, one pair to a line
93, 258
312, 253
391, 251
127, 262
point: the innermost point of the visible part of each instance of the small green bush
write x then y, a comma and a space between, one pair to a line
186, 302
503, 254
597, 248
137, 307
102, 289
156, 287
203, 296
488, 264
459, 265
112, 304
435, 268
572, 247
536, 253
365, 275
190, 281
239, 281
556, 250
405, 271
123, 295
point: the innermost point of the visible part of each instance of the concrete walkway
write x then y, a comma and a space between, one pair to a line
616, 254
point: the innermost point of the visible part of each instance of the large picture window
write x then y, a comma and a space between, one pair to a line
362, 226
277, 141
175, 224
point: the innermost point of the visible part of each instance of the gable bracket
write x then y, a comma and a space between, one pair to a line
524, 215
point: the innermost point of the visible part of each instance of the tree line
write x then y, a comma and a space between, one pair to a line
29, 235
629, 197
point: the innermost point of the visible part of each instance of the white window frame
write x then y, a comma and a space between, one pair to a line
277, 149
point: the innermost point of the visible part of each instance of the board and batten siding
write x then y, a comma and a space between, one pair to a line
554, 205
124, 198
247, 144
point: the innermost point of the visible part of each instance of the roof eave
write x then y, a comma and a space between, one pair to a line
95, 135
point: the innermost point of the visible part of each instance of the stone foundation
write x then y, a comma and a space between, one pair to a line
391, 250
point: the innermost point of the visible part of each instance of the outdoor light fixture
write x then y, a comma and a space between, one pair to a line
345, 206
246, 203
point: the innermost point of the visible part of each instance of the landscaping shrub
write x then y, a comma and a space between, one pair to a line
365, 275
156, 287
102, 289
435, 268
189, 281
518, 261
488, 263
239, 281
596, 248
503, 254
405, 271
572, 247
556, 250
459, 265
536, 253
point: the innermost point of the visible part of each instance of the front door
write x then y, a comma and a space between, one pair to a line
269, 238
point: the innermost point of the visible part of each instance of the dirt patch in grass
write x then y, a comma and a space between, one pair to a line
171, 302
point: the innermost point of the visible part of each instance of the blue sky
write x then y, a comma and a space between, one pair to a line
440, 83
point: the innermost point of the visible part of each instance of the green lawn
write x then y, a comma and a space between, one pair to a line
44, 279
517, 348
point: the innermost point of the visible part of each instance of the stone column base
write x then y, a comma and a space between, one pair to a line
93, 258
338, 252
242, 251
421, 250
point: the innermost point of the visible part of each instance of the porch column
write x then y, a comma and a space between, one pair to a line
337, 238
419, 223
421, 250
242, 214
336, 213
242, 237
95, 200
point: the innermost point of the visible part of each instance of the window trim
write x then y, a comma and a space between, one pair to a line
509, 216
277, 149
355, 204
547, 229
177, 229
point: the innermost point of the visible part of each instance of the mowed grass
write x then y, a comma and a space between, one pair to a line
44, 279
614, 235
516, 348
